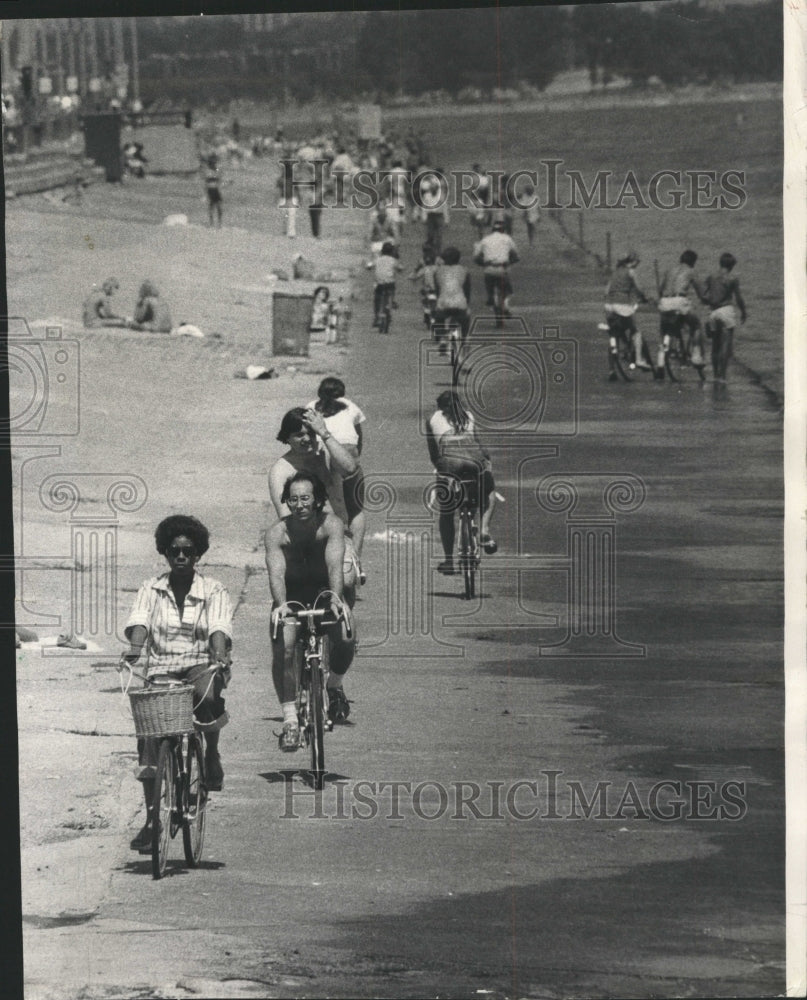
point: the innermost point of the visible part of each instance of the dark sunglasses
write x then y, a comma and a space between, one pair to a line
181, 550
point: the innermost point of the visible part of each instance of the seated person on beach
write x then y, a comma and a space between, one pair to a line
97, 309
183, 619
151, 312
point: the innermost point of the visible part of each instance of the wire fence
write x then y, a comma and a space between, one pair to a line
594, 245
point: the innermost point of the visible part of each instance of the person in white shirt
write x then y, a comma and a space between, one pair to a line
344, 419
496, 252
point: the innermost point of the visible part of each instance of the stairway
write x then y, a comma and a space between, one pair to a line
43, 170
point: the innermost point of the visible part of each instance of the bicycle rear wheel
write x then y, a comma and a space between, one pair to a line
454, 354
316, 723
467, 555
498, 304
194, 805
163, 808
618, 361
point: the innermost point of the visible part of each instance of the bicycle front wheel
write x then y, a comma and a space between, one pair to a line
194, 806
163, 807
316, 724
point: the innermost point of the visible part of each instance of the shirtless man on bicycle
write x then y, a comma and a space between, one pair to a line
676, 307
304, 556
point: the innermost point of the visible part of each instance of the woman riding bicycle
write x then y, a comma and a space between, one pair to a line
453, 293
183, 619
457, 454
622, 296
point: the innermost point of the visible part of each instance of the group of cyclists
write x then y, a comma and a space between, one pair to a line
679, 292
182, 619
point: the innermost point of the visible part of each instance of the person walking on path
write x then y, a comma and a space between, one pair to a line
722, 294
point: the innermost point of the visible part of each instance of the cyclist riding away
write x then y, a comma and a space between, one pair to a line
457, 453
382, 231
675, 305
183, 619
453, 285
386, 268
721, 293
305, 553
622, 296
495, 253
426, 271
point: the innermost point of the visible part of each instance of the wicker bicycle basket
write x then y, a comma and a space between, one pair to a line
162, 711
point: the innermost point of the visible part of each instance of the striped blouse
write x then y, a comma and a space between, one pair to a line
176, 645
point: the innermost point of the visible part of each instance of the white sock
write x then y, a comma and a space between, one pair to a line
289, 712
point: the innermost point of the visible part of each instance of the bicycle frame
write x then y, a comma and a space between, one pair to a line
312, 681
176, 803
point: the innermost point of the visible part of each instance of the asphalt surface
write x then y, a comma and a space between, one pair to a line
357, 893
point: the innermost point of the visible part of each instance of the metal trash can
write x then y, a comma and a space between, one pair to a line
102, 143
291, 318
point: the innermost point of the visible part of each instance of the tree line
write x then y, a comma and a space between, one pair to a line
384, 54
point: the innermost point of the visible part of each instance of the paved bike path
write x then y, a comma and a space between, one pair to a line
362, 899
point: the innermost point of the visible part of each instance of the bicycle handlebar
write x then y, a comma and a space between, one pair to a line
307, 613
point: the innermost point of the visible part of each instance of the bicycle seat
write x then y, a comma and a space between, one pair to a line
469, 488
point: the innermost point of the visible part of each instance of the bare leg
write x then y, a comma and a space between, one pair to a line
725, 352
717, 349
488, 514
284, 666
358, 527
446, 527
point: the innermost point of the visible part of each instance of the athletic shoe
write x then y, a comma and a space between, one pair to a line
142, 842
338, 705
290, 737
447, 567
489, 545
213, 771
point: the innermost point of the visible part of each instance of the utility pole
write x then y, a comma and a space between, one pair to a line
81, 41
58, 29
9, 81
135, 62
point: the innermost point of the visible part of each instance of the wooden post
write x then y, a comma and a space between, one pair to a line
135, 63
81, 40
72, 69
